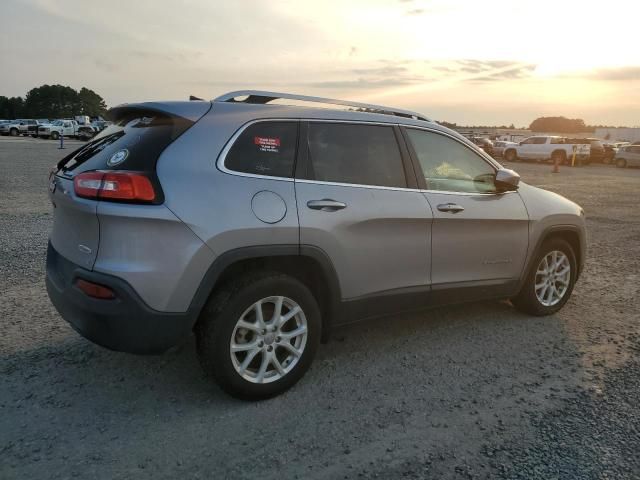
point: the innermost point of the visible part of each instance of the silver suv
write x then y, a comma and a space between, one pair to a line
260, 226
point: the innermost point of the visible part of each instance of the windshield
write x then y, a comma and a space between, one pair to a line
57, 123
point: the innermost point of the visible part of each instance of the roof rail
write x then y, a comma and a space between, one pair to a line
262, 97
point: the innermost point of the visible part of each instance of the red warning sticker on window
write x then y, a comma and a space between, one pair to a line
267, 144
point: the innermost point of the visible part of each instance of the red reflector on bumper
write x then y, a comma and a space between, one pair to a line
95, 290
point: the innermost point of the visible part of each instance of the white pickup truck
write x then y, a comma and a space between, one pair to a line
66, 128
547, 147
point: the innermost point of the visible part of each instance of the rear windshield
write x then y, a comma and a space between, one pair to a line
143, 134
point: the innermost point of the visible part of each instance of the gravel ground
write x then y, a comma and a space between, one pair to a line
471, 391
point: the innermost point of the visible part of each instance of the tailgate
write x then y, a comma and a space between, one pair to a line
76, 230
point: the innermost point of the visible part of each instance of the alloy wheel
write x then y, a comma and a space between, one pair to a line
268, 340
552, 278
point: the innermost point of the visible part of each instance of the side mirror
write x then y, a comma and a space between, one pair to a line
507, 180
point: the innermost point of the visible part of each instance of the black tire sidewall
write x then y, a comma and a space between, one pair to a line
214, 334
527, 300
55, 135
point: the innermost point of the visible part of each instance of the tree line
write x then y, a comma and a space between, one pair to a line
53, 101
542, 124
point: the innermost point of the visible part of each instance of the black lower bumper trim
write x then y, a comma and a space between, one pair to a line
125, 324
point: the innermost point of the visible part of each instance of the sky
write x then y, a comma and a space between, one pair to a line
483, 62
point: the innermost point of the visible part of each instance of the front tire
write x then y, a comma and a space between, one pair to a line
550, 279
55, 135
13, 132
621, 163
258, 335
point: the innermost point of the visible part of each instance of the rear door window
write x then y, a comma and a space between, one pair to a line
265, 148
356, 154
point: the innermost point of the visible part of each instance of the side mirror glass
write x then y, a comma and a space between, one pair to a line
507, 180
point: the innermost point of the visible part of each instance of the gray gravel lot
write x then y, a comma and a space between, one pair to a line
472, 391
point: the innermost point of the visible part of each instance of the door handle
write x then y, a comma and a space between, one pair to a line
450, 207
326, 205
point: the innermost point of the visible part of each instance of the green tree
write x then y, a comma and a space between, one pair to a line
558, 124
51, 101
11, 108
90, 103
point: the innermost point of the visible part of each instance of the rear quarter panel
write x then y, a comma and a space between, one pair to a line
217, 206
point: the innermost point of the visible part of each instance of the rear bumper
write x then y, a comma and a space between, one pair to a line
124, 324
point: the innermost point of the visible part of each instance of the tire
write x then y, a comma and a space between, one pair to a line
54, 135
510, 156
621, 163
560, 156
527, 300
218, 327
13, 132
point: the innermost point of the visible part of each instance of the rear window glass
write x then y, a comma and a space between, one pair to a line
356, 154
265, 148
143, 135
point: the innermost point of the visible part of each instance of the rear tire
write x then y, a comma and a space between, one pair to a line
621, 163
230, 321
510, 155
534, 298
560, 157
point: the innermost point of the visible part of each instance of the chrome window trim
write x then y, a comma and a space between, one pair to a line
356, 185
467, 194
223, 154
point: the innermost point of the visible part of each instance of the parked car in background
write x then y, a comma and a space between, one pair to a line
597, 151
628, 156
500, 146
610, 151
18, 127
547, 147
484, 143
66, 128
375, 213
32, 128
99, 125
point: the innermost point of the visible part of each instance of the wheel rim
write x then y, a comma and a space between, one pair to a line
268, 340
552, 278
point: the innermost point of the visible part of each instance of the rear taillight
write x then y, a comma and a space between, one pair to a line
114, 185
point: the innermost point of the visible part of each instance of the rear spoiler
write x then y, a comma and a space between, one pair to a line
192, 111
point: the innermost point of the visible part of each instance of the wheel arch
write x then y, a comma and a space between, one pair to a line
560, 151
306, 263
568, 233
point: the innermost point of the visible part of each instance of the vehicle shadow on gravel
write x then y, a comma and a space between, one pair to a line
438, 377
77, 368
